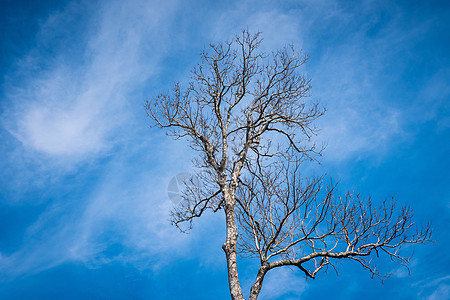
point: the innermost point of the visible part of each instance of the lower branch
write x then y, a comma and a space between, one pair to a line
256, 287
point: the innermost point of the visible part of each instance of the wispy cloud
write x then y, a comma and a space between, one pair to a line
438, 288
74, 109
132, 212
77, 111
279, 283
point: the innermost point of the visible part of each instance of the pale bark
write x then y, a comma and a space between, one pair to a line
256, 287
229, 247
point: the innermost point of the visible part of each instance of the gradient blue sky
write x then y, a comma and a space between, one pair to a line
83, 201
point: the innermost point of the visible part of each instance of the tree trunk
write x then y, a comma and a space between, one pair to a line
256, 287
230, 249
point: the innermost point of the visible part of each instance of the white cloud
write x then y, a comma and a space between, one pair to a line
127, 206
71, 112
442, 292
432, 100
279, 27
438, 288
132, 212
282, 282
61, 131
77, 111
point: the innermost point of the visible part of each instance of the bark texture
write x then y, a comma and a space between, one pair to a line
229, 248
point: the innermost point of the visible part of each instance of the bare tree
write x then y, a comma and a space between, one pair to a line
249, 116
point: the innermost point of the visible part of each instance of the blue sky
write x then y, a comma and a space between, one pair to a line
83, 201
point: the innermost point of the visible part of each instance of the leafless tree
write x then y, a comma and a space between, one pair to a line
249, 117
